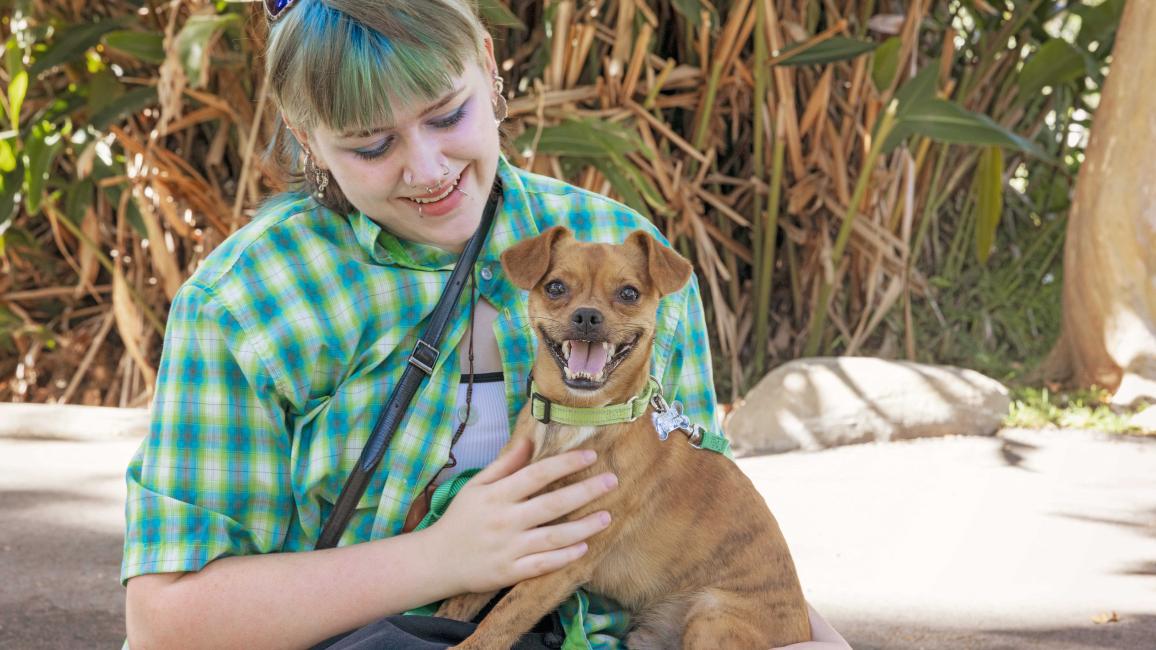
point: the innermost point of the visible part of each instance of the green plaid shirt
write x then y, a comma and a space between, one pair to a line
284, 345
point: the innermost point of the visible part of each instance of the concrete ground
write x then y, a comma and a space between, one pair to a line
1015, 541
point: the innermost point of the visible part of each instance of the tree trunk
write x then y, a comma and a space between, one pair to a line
1109, 306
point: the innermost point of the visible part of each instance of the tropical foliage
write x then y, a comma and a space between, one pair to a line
849, 176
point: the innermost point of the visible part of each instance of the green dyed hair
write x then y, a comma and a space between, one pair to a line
346, 63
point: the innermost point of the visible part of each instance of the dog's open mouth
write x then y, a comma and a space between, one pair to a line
588, 364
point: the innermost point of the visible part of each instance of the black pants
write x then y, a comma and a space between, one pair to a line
433, 633
426, 633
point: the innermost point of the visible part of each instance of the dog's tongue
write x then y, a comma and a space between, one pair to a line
586, 357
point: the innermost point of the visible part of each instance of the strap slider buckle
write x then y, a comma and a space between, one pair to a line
537, 398
424, 356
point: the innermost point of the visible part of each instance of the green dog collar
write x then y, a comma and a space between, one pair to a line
548, 412
667, 417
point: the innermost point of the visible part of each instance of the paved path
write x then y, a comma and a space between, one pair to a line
1017, 541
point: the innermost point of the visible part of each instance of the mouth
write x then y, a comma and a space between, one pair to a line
439, 193
443, 200
587, 364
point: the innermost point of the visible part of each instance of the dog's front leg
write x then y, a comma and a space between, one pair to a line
464, 607
523, 606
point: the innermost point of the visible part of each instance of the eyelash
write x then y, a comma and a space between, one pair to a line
446, 123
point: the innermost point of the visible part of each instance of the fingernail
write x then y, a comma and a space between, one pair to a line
610, 480
604, 518
589, 456
582, 548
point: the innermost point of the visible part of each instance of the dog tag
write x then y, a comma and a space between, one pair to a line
670, 420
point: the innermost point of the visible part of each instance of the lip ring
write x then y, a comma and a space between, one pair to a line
436, 190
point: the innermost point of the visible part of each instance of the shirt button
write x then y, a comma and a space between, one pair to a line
487, 274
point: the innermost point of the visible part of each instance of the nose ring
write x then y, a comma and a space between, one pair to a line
446, 168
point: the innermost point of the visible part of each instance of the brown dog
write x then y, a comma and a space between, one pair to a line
692, 551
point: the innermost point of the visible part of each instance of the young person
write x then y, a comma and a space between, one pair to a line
283, 347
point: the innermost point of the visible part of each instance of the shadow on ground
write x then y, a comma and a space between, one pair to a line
1130, 632
59, 581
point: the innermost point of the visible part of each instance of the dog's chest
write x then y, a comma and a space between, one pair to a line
553, 439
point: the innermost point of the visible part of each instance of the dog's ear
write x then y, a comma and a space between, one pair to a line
668, 270
527, 261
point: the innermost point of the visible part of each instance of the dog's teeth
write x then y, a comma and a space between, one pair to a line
566, 350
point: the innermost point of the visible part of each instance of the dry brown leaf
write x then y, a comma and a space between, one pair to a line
1100, 619
130, 324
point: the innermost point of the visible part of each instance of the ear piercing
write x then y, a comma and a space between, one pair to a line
501, 109
320, 176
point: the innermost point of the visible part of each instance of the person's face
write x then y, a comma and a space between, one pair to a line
426, 177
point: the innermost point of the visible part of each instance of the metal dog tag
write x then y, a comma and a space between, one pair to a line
670, 420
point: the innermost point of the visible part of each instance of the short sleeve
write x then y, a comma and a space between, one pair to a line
688, 376
212, 477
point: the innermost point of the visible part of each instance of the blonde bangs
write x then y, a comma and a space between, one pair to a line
348, 64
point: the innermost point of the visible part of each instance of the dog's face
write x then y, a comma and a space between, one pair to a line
593, 306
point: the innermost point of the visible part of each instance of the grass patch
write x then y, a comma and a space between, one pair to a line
1041, 408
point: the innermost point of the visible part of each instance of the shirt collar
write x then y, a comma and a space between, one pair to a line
513, 222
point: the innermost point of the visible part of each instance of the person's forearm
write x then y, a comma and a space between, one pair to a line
288, 600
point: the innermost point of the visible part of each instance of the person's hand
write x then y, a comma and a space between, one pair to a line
493, 534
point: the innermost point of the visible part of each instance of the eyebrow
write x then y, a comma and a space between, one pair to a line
362, 133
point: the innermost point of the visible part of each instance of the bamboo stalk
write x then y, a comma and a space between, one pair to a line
770, 235
819, 317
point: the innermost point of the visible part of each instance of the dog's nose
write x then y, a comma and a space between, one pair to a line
586, 319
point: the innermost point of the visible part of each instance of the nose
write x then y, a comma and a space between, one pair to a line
425, 167
586, 319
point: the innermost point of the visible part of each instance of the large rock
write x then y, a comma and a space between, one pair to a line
824, 402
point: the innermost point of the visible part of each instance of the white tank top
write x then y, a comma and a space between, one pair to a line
488, 428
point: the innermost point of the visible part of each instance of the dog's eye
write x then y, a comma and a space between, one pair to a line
555, 288
629, 294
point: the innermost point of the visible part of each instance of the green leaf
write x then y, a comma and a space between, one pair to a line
621, 184
580, 138
495, 13
16, 91
944, 121
145, 46
40, 151
885, 63
7, 156
1098, 24
690, 9
130, 102
10, 184
70, 44
18, 80
194, 40
1055, 63
921, 87
831, 50
989, 200
104, 87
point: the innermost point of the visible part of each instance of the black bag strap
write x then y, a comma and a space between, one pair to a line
421, 363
